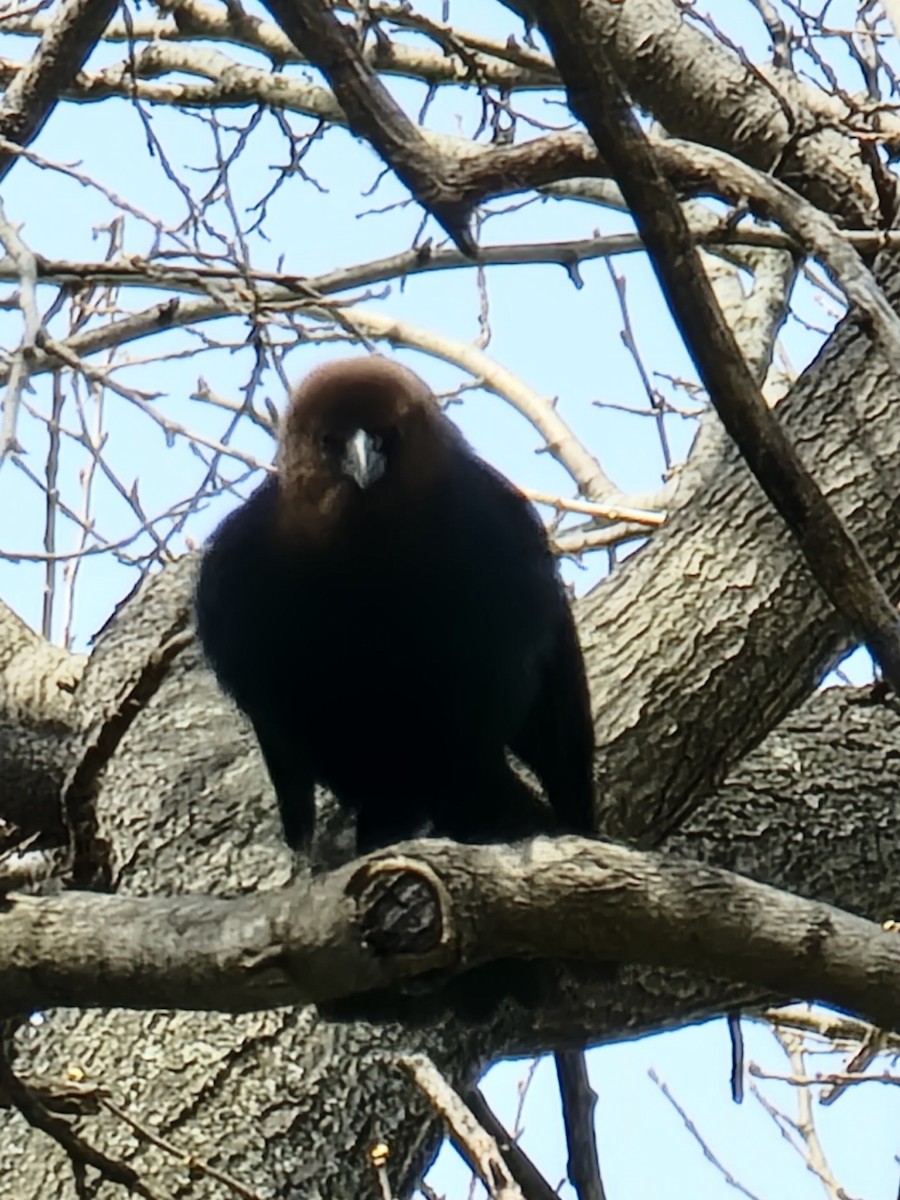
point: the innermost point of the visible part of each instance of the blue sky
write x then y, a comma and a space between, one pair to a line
564, 342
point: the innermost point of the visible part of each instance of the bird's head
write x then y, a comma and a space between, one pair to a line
362, 434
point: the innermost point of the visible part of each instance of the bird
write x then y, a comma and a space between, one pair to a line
386, 610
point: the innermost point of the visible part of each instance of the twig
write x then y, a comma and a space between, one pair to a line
378, 1156
830, 1079
736, 1035
51, 472
811, 1149
872, 1046
533, 1184
539, 410
140, 272
832, 1027
606, 512
79, 1151
470, 1138
499, 64
701, 1142
523, 1087
892, 12
629, 341
573, 545
187, 1158
26, 271
64, 353
578, 1103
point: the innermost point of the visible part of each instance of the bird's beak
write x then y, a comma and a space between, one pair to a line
363, 459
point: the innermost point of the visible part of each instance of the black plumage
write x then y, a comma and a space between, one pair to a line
387, 612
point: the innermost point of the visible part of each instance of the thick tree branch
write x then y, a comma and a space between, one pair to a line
695, 651
64, 47
701, 90
696, 87
439, 904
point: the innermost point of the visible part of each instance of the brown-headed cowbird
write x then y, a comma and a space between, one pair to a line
386, 611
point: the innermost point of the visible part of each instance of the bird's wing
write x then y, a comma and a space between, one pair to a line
292, 781
557, 737
237, 600
231, 598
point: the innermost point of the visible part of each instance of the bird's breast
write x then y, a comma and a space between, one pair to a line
402, 634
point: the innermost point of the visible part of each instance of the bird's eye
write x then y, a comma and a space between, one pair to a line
332, 444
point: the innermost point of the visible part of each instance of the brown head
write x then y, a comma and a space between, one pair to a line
362, 433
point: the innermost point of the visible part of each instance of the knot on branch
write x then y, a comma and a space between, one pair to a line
401, 907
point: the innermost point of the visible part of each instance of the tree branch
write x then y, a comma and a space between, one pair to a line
435, 904
37, 720
494, 62
533, 1184
578, 1103
471, 1139
64, 48
80, 1152
373, 114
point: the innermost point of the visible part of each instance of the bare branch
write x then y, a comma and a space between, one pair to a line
578, 1103
343, 934
470, 1138
540, 411
695, 1133
64, 47
373, 114
80, 1152
892, 12
495, 63
605, 512
533, 1184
